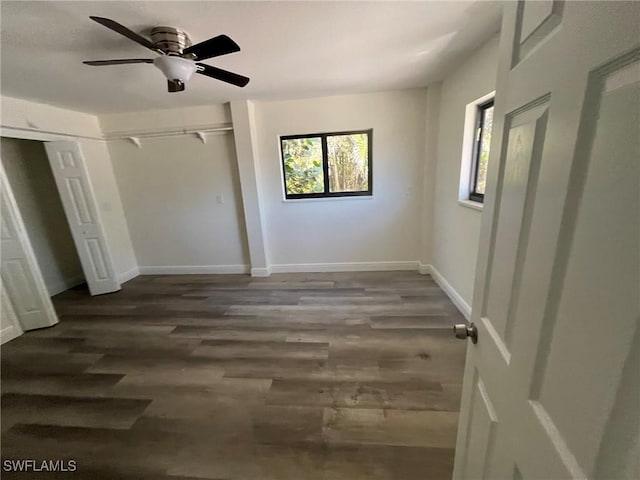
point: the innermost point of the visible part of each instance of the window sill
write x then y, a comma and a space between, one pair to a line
327, 199
471, 204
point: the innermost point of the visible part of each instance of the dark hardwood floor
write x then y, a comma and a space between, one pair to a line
297, 376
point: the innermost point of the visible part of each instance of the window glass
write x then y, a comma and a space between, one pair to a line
348, 159
302, 159
485, 143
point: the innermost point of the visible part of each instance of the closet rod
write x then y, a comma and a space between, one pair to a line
171, 133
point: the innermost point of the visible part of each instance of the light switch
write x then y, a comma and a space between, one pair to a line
220, 198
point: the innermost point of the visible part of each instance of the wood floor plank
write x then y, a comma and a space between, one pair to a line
45, 362
413, 321
384, 309
101, 412
75, 385
390, 427
398, 395
249, 349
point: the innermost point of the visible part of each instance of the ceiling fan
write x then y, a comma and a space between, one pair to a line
178, 57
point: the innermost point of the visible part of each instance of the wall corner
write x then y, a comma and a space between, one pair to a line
430, 164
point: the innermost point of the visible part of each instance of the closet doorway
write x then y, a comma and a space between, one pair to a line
34, 188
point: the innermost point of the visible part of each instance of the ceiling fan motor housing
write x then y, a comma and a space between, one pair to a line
170, 40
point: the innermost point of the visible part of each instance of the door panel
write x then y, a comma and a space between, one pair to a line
9, 324
97, 259
483, 422
557, 294
78, 200
83, 217
597, 277
525, 134
535, 21
22, 285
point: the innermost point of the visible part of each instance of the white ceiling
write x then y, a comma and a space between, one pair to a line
289, 49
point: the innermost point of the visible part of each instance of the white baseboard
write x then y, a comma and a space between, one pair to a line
451, 292
404, 265
281, 268
260, 271
344, 267
192, 269
128, 275
66, 284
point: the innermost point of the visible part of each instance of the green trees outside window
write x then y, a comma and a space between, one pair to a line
303, 165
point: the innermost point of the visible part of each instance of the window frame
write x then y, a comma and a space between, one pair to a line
474, 195
325, 165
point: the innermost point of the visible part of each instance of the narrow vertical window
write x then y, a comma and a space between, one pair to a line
482, 144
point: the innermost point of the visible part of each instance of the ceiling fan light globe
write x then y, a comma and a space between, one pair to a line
175, 68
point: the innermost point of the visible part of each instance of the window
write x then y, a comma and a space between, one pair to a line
484, 123
327, 164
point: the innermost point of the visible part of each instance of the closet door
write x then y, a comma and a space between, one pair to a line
9, 323
67, 164
24, 294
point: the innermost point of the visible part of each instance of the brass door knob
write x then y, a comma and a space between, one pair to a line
462, 331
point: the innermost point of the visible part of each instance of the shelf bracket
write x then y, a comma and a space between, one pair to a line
135, 141
201, 136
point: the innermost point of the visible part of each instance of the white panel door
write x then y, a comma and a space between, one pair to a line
24, 294
67, 164
552, 388
9, 323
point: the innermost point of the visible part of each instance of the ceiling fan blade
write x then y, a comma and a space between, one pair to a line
214, 47
175, 86
99, 63
122, 30
225, 76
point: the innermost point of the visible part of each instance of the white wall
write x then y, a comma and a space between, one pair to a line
23, 114
166, 119
36, 194
171, 189
456, 228
384, 228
